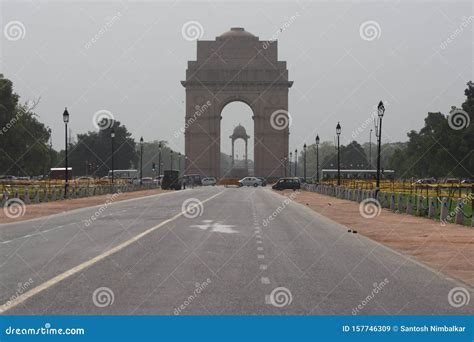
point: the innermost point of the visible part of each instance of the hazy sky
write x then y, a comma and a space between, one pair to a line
340, 73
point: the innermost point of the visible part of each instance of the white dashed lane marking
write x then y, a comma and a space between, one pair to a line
265, 280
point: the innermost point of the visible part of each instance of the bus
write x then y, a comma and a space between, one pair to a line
328, 174
129, 175
192, 179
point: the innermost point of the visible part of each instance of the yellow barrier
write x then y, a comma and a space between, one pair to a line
454, 190
229, 181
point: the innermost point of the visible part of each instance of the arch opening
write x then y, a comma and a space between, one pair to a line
237, 140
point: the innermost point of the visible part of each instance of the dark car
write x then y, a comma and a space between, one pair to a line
171, 180
264, 181
287, 183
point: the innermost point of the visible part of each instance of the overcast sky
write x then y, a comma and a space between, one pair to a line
340, 72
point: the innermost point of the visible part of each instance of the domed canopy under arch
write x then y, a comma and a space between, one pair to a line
239, 132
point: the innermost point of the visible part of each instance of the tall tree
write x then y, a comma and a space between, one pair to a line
92, 152
23, 139
439, 149
352, 157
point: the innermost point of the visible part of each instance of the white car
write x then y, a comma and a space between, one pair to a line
250, 181
209, 181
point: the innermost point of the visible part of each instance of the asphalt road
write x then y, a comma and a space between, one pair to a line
220, 255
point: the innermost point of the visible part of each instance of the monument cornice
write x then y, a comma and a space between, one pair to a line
286, 84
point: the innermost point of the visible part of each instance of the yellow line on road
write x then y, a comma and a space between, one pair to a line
53, 281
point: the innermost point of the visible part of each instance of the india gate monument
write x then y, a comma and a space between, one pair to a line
237, 66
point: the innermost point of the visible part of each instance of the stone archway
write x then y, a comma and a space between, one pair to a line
237, 66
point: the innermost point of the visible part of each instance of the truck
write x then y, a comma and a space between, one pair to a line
171, 180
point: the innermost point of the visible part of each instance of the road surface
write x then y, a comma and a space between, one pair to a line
211, 250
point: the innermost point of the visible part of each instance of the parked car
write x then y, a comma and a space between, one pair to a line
250, 181
147, 180
23, 178
209, 181
264, 181
287, 183
426, 181
158, 180
468, 181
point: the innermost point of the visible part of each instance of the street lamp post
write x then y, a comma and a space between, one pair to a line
370, 149
304, 162
50, 151
317, 158
112, 138
171, 157
291, 160
179, 162
141, 160
338, 132
159, 159
66, 184
381, 111
296, 162
285, 161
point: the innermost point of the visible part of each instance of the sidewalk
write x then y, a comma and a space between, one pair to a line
448, 249
50, 208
